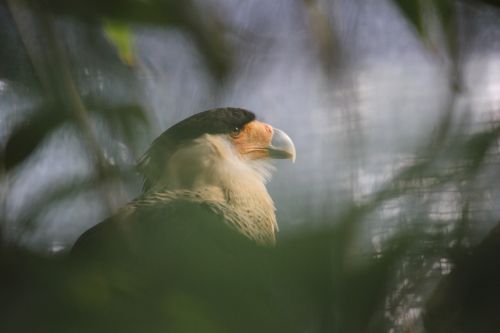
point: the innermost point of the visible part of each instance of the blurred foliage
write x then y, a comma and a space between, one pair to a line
203, 25
29, 135
420, 13
315, 280
121, 36
211, 281
413, 11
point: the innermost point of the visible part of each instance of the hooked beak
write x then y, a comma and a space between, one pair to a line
281, 146
259, 140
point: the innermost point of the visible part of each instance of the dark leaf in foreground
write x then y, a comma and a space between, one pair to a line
165, 277
468, 299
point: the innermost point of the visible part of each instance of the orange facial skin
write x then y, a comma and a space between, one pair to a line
253, 141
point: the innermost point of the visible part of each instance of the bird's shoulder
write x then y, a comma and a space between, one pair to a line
211, 196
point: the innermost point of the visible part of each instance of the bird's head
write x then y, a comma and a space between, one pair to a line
211, 145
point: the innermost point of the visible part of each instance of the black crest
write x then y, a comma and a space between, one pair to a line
214, 121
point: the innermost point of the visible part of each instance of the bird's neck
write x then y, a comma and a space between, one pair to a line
246, 193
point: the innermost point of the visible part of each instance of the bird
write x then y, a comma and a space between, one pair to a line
204, 175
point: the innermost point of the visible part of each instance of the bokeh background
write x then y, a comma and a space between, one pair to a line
393, 107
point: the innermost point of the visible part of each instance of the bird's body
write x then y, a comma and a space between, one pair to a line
215, 165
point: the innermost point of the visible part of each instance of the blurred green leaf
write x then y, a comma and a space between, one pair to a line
204, 26
412, 10
120, 35
417, 13
446, 14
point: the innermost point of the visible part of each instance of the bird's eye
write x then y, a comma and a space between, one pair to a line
235, 131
